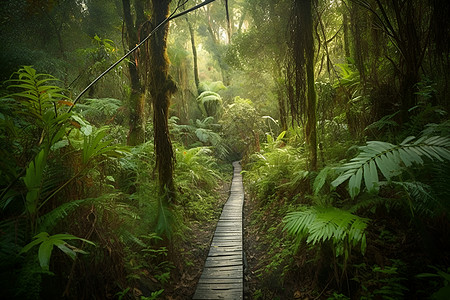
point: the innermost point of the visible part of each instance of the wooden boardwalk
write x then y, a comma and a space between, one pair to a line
223, 273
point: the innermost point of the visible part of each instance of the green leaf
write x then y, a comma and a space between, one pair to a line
46, 246
62, 246
85, 127
390, 159
320, 179
39, 238
45, 251
354, 184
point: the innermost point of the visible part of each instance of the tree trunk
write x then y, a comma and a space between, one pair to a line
345, 25
161, 88
311, 124
311, 128
302, 94
136, 135
194, 53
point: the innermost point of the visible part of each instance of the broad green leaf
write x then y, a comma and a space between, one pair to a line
407, 160
44, 253
354, 184
384, 165
62, 246
342, 178
46, 246
407, 140
39, 238
281, 135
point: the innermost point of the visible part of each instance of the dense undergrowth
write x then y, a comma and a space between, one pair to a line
371, 223
80, 213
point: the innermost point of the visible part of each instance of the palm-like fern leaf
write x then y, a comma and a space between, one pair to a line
390, 160
320, 224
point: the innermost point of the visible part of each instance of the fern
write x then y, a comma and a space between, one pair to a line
51, 219
35, 94
320, 224
391, 160
210, 103
99, 110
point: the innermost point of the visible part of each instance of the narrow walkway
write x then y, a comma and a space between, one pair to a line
222, 276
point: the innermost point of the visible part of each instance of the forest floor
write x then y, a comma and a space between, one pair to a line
264, 269
194, 251
257, 283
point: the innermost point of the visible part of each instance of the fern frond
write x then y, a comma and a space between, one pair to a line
424, 201
391, 160
51, 219
320, 224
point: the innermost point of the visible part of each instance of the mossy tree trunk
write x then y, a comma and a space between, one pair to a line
136, 134
161, 88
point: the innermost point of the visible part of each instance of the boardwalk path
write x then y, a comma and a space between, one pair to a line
222, 276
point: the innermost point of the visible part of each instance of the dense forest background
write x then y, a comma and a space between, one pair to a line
337, 109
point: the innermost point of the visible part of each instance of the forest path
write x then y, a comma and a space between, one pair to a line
223, 273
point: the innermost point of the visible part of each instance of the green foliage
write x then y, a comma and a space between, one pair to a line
201, 132
321, 224
386, 123
382, 282
33, 181
47, 243
210, 104
241, 124
36, 95
99, 111
96, 148
196, 167
275, 143
277, 172
215, 86
40, 103
441, 286
391, 160
349, 76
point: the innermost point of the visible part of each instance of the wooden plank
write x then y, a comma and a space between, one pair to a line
214, 286
226, 244
217, 273
227, 233
220, 280
223, 263
234, 237
224, 250
224, 253
231, 295
229, 257
229, 223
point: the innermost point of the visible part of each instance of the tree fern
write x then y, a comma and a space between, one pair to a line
320, 224
391, 160
210, 103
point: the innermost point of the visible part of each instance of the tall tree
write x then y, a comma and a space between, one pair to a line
136, 134
161, 88
301, 90
194, 52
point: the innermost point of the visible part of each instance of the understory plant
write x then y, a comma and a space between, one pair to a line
52, 157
